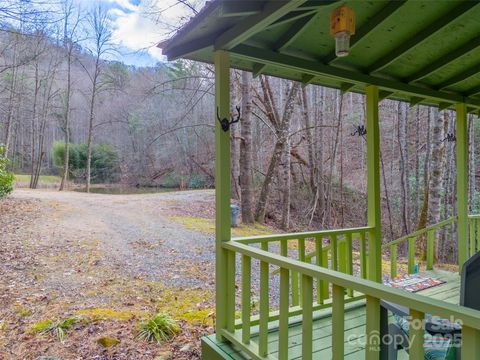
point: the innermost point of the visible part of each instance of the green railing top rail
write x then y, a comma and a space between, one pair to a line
299, 235
420, 232
469, 317
474, 216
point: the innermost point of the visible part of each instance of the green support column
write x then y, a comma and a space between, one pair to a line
373, 181
222, 187
462, 182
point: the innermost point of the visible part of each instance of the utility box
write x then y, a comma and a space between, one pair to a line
235, 214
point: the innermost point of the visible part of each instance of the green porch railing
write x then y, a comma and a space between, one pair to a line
474, 238
413, 238
333, 249
311, 273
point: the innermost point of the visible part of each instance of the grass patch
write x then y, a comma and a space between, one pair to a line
107, 314
207, 226
48, 179
57, 327
159, 328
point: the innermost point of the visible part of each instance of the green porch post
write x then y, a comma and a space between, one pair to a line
222, 187
374, 221
373, 181
462, 182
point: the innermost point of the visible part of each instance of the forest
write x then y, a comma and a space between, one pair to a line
298, 152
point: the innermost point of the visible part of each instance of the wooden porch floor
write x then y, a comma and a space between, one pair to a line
322, 327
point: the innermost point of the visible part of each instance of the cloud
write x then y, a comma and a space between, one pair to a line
141, 25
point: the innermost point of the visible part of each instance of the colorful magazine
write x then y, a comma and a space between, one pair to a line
413, 283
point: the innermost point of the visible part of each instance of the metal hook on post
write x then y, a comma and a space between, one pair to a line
360, 130
225, 123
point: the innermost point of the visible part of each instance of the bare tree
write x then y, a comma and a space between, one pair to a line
246, 156
282, 126
71, 22
102, 44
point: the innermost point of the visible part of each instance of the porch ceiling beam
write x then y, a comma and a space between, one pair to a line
384, 94
293, 33
309, 67
292, 16
255, 23
445, 60
307, 79
257, 69
346, 87
423, 35
473, 91
460, 77
444, 106
315, 4
415, 100
287, 38
189, 47
371, 24
306, 9
243, 8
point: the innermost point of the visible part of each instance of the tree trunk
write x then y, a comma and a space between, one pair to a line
91, 121
417, 163
308, 135
437, 165
66, 119
286, 183
282, 136
471, 166
246, 155
403, 164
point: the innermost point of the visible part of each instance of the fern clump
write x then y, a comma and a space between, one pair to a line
159, 328
57, 327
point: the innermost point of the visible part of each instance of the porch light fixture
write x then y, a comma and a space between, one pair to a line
342, 26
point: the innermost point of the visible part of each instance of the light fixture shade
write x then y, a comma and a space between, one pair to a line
342, 43
342, 26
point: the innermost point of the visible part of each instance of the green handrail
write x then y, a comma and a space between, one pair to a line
299, 235
411, 239
418, 304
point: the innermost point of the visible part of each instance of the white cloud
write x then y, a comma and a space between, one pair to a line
142, 26
125, 4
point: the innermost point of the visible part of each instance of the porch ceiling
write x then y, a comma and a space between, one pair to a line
420, 51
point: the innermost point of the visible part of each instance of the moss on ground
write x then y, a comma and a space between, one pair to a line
207, 226
109, 314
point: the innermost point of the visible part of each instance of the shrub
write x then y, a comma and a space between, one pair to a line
105, 166
6, 177
159, 328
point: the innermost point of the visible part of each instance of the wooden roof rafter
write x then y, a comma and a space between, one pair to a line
289, 37
253, 24
251, 33
421, 36
268, 57
244, 8
306, 9
371, 24
473, 91
460, 77
445, 60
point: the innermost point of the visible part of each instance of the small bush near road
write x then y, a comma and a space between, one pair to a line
6, 177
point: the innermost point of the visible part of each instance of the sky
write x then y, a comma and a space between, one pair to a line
137, 29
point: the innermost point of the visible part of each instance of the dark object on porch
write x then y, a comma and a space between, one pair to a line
469, 297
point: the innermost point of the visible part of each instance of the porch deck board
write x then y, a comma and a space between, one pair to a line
355, 320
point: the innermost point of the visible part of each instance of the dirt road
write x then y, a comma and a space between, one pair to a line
113, 259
